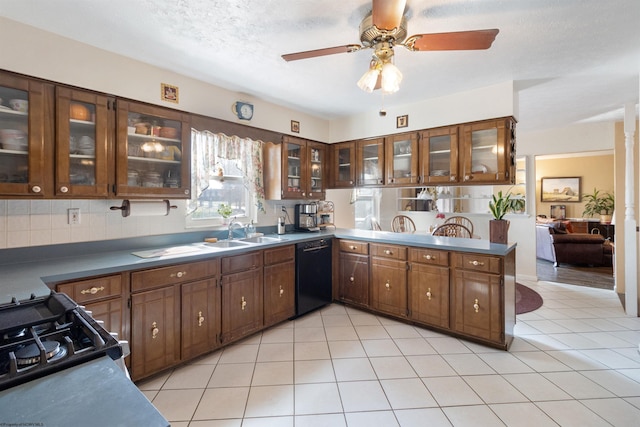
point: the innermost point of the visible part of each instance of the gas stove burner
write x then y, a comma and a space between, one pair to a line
30, 354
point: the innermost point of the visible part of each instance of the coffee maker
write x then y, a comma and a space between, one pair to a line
306, 217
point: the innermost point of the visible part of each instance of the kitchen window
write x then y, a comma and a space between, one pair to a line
224, 171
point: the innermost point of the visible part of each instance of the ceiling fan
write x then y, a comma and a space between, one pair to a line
385, 28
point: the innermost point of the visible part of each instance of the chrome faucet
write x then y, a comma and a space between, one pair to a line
236, 224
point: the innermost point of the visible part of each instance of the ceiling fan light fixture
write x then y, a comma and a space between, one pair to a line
391, 78
368, 81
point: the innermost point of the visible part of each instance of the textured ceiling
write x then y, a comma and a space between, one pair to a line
571, 60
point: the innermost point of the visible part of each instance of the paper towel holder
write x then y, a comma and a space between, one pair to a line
164, 206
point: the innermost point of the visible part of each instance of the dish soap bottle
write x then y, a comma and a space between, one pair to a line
251, 229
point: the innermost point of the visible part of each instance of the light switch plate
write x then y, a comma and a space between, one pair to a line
73, 216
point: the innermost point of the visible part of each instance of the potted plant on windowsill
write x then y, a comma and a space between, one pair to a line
599, 203
225, 212
498, 226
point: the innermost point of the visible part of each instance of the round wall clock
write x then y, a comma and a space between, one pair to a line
243, 110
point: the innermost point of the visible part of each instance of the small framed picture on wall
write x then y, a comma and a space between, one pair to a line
169, 93
295, 126
402, 121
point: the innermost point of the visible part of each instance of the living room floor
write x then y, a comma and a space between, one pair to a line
573, 362
594, 277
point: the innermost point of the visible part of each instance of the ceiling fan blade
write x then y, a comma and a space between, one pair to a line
387, 14
462, 40
321, 52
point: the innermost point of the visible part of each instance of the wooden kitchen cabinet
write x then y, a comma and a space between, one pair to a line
295, 169
242, 295
429, 286
389, 279
370, 162
279, 284
401, 157
153, 152
155, 331
343, 165
104, 298
83, 142
487, 154
25, 131
438, 150
483, 307
354, 272
200, 327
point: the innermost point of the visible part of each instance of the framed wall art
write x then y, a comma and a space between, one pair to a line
295, 126
402, 121
561, 189
168, 93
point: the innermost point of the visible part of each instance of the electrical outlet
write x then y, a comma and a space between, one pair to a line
278, 209
73, 216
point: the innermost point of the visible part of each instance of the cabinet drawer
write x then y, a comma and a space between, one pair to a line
93, 289
232, 264
429, 256
149, 279
484, 263
277, 255
354, 247
389, 251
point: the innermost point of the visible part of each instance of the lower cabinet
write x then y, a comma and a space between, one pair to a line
429, 286
354, 279
279, 284
200, 325
242, 296
389, 279
155, 330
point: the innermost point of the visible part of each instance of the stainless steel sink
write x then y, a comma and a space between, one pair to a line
227, 244
261, 239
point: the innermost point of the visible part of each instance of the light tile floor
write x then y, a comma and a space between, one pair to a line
574, 362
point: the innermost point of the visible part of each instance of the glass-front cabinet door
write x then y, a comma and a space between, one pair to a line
153, 152
343, 164
24, 126
294, 157
82, 141
401, 155
316, 180
439, 155
488, 151
370, 161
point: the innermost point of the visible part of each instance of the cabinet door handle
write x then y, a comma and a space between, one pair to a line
36, 189
476, 263
304, 194
179, 274
429, 257
429, 294
64, 189
154, 330
350, 182
92, 290
387, 285
476, 306
467, 177
200, 318
281, 291
388, 252
352, 279
243, 304
452, 178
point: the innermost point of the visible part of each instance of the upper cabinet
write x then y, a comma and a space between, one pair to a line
25, 125
488, 152
62, 142
295, 169
82, 141
153, 151
343, 165
401, 156
439, 156
370, 162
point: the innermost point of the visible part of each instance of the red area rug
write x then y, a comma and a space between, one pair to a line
527, 299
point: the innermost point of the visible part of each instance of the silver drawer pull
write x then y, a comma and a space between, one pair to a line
476, 263
92, 291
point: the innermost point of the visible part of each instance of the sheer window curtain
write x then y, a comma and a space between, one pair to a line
208, 148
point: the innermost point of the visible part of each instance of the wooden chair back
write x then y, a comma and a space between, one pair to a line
402, 224
452, 230
462, 220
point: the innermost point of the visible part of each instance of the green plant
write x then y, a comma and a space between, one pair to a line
517, 204
598, 203
500, 205
225, 210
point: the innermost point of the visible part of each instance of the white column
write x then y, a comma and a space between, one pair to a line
631, 236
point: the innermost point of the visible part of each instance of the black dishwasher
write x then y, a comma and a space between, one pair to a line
313, 275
